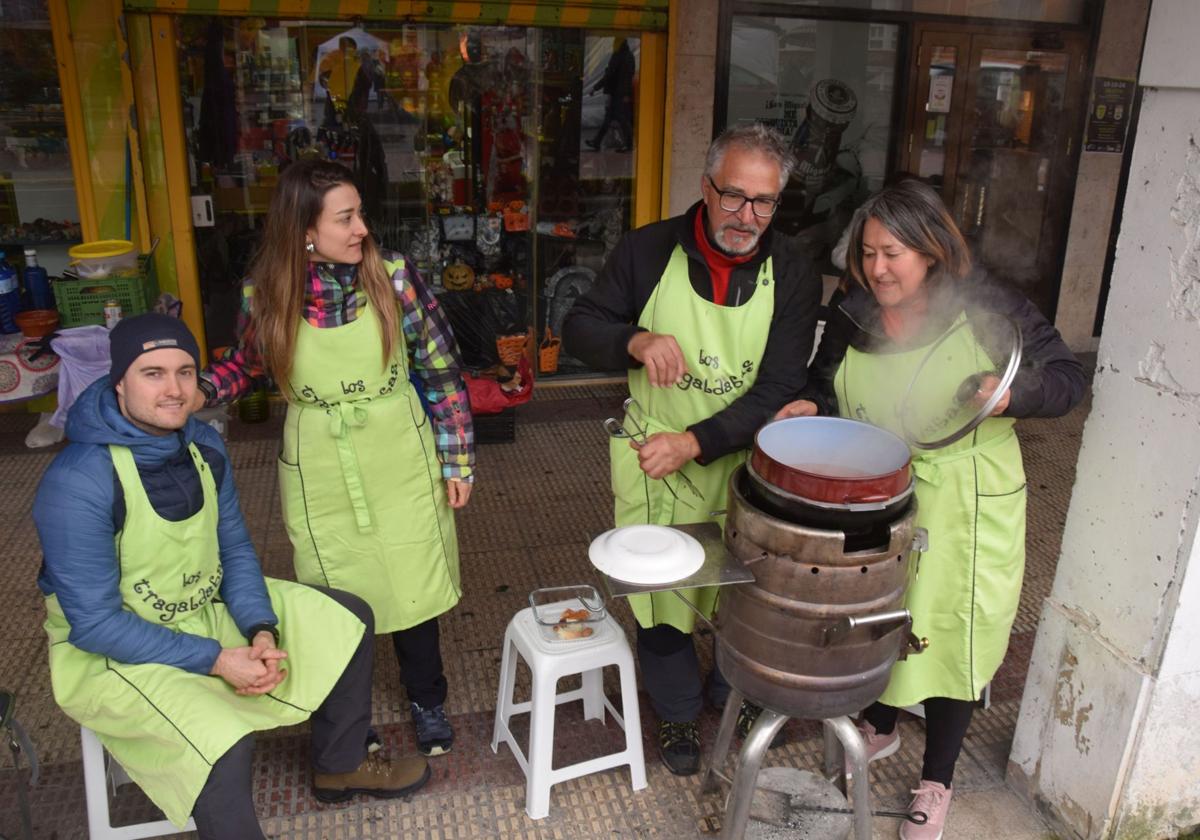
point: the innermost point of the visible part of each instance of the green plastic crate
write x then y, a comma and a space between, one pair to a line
81, 302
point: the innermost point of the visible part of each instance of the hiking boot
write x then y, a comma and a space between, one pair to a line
747, 717
374, 742
679, 747
933, 799
384, 778
878, 746
434, 734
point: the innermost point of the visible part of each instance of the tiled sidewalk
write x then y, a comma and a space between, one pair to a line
538, 502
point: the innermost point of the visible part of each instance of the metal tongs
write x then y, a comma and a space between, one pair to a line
636, 419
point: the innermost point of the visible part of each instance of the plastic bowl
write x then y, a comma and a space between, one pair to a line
37, 323
100, 259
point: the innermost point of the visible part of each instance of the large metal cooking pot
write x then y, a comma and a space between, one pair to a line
817, 632
832, 460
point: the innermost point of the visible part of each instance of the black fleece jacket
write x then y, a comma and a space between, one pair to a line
1049, 383
598, 328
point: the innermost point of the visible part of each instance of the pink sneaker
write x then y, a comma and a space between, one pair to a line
933, 798
878, 746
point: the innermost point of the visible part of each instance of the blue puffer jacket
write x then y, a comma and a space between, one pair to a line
79, 508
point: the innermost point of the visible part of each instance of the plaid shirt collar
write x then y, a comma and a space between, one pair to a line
332, 294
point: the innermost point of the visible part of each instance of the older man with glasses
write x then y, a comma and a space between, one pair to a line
714, 319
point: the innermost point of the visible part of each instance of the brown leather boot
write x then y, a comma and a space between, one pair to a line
385, 778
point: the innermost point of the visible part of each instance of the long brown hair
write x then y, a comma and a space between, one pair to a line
913, 212
279, 270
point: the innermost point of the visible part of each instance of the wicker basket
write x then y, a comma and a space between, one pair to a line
510, 348
548, 353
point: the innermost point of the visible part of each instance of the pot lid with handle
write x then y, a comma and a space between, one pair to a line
943, 403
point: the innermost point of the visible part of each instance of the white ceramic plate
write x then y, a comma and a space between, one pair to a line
646, 554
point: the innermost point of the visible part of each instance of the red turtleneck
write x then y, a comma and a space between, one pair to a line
720, 266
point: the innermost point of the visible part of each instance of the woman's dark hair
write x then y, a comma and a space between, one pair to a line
913, 212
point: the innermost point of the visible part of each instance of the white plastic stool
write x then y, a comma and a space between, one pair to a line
549, 661
96, 779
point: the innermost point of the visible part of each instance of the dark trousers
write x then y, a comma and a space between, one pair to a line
419, 652
946, 723
622, 115
225, 806
671, 674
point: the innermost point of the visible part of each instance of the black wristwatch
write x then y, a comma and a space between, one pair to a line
258, 628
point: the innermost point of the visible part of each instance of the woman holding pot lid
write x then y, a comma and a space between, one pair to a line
368, 479
915, 287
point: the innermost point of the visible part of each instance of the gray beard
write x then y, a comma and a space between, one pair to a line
723, 247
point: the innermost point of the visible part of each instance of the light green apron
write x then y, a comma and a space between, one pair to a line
723, 347
971, 497
359, 477
167, 726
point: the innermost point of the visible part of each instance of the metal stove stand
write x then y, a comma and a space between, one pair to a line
841, 739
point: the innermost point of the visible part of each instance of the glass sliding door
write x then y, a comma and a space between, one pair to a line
993, 124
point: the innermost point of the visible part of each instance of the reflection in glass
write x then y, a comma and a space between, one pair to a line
828, 86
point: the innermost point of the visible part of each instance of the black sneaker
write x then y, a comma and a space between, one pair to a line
434, 734
679, 747
747, 717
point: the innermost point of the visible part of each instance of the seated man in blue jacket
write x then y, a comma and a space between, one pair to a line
165, 638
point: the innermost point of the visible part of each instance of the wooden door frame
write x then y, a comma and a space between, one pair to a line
918, 96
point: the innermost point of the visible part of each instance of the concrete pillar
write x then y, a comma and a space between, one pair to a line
1107, 742
1117, 54
693, 33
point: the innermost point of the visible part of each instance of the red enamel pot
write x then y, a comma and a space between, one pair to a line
832, 460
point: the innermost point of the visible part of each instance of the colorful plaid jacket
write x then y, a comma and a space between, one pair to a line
331, 299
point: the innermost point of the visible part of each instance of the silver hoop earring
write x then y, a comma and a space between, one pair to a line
308, 246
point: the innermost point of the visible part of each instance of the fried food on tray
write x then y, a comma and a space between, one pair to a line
573, 630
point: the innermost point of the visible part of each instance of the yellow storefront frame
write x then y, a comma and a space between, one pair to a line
179, 191
68, 81
640, 15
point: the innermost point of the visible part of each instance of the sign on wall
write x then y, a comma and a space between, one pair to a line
1108, 117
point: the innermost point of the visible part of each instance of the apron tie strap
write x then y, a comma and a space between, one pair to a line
928, 469
344, 417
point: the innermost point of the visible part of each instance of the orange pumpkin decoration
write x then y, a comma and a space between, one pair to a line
502, 281
458, 277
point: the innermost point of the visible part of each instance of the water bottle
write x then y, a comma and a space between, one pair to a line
10, 297
37, 282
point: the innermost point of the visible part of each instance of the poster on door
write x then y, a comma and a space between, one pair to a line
1108, 118
940, 88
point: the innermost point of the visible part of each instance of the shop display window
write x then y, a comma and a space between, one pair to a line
37, 188
498, 159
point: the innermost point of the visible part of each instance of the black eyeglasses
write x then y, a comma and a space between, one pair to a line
733, 202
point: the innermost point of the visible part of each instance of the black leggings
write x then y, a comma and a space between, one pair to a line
946, 724
419, 652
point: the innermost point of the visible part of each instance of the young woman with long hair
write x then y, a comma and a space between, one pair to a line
368, 478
